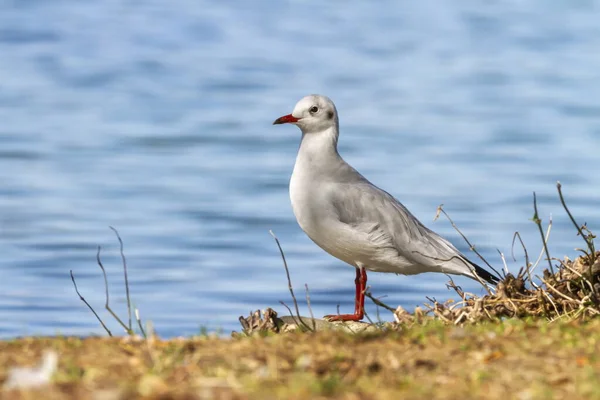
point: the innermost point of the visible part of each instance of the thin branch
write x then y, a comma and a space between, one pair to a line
312, 316
287, 272
545, 241
588, 241
368, 318
551, 302
538, 222
106, 305
103, 274
125, 273
290, 311
89, 306
527, 263
379, 302
456, 288
471, 246
294, 318
377, 312
139, 321
503, 262
564, 296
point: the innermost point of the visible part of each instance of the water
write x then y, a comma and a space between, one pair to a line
155, 118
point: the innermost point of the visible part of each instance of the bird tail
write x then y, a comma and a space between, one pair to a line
483, 274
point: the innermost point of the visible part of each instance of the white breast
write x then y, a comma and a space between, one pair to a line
301, 197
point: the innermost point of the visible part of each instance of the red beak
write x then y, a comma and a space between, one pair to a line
286, 119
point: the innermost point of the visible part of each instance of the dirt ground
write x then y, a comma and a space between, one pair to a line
511, 359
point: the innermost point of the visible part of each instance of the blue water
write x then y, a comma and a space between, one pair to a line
155, 118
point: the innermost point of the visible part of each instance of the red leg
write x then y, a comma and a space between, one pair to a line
359, 303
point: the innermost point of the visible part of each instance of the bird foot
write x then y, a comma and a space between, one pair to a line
343, 317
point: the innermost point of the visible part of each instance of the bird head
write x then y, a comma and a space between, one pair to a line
312, 114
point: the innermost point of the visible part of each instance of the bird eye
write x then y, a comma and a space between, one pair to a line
313, 109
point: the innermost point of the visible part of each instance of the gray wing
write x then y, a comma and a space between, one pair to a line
388, 224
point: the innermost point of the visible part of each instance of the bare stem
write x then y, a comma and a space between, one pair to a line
139, 321
538, 222
287, 272
589, 241
298, 323
124, 273
89, 306
312, 316
547, 237
503, 261
471, 246
369, 318
379, 302
107, 305
527, 263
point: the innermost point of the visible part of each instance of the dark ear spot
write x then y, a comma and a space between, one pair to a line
330, 114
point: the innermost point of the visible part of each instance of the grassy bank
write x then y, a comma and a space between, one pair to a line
512, 359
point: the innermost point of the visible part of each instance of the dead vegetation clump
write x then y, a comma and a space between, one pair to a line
570, 292
568, 289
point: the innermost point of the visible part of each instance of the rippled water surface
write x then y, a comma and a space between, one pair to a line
155, 118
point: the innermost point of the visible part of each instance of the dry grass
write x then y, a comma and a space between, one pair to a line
570, 293
510, 359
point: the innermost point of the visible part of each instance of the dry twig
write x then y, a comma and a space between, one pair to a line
290, 287
89, 306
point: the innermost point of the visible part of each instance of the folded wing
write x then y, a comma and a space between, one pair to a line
389, 226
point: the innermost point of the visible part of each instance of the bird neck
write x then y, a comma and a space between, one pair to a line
319, 148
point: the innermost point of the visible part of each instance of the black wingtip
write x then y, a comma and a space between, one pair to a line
485, 275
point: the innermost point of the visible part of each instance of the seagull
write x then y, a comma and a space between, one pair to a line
354, 220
